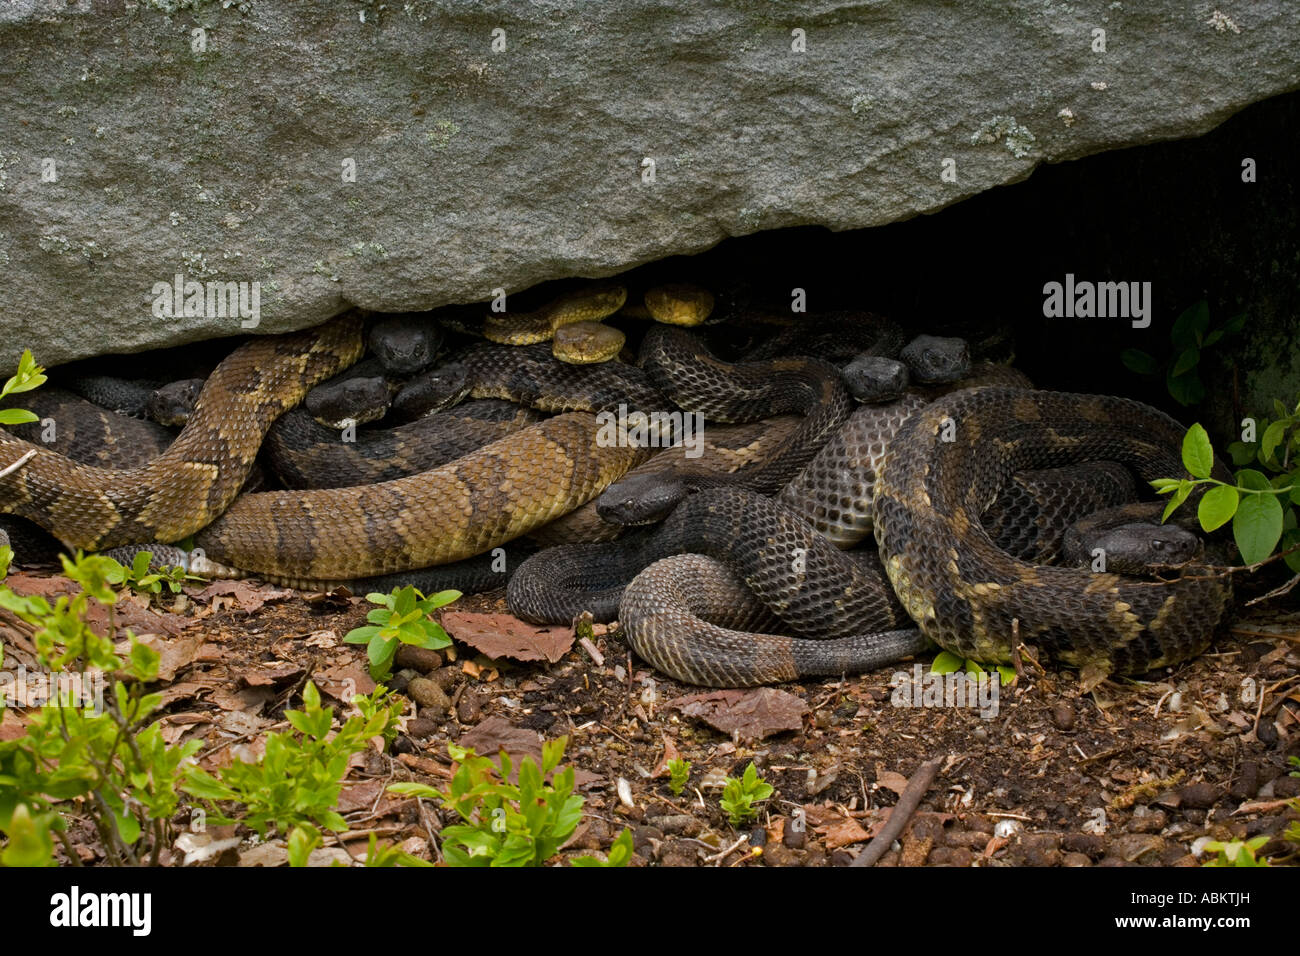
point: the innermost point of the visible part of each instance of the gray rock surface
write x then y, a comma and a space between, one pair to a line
478, 169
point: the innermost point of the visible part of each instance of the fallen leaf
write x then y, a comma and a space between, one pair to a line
892, 781
266, 675
670, 754
173, 653
502, 635
751, 714
843, 833
250, 597
496, 734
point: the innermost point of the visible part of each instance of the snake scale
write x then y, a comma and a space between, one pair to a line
937, 565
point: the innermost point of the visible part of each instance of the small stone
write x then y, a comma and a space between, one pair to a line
421, 659
1148, 821
774, 854
1087, 843
1075, 859
678, 823
1247, 783
470, 708
1063, 716
1198, 796
678, 853
446, 677
1286, 787
421, 727
950, 856
1037, 849
758, 837
642, 836
1267, 733
1133, 847
793, 836
429, 696
969, 839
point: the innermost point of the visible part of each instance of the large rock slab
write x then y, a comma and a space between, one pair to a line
135, 148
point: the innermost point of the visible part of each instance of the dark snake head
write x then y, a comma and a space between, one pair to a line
436, 389
641, 499
874, 378
358, 400
404, 343
1141, 548
934, 360
174, 402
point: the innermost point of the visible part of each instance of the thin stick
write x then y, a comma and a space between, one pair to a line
19, 463
908, 801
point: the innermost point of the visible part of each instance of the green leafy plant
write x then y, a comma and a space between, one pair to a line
679, 771
1295, 762
139, 578
1237, 852
740, 795
29, 376
620, 851
295, 786
1254, 504
945, 662
505, 824
1190, 336
107, 765
402, 616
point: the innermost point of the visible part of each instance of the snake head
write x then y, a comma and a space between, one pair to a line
1141, 548
404, 343
641, 499
174, 402
874, 378
436, 389
935, 360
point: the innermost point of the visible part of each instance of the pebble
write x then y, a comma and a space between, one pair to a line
1198, 796
1286, 787
642, 836
678, 823
950, 856
969, 839
421, 727
1247, 783
1088, 844
678, 853
1063, 716
429, 696
470, 708
421, 659
794, 837
774, 854
1132, 847
1075, 859
1036, 849
446, 677
1146, 820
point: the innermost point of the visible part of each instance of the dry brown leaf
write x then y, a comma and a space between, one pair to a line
752, 714
502, 635
892, 781
249, 597
843, 833
670, 754
496, 734
173, 653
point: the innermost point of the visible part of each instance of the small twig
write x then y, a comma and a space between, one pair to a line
908, 801
28, 456
722, 855
597, 657
1276, 592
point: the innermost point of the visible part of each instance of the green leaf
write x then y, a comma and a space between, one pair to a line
30, 843
1242, 453
1165, 485
1217, 507
947, 663
302, 840
1135, 360
1250, 478
360, 635
1184, 489
1185, 389
1234, 324
1273, 436
1257, 526
16, 416
1190, 327
1198, 455
1186, 361
1289, 541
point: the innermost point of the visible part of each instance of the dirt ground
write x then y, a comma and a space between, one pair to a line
1134, 772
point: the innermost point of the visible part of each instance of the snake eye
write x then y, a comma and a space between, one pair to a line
1158, 545
931, 355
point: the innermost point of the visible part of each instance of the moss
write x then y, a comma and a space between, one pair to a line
1017, 138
